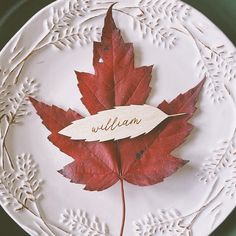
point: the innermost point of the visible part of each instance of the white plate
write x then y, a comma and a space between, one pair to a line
184, 46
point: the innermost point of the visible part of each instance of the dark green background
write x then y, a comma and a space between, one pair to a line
13, 15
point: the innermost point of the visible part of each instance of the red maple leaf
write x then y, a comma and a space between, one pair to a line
145, 160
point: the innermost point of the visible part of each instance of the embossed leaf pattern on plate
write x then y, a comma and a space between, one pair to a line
71, 24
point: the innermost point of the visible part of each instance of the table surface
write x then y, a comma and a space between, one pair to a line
13, 15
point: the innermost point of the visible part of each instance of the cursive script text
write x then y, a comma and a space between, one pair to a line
115, 123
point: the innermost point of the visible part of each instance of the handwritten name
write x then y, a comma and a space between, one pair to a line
115, 123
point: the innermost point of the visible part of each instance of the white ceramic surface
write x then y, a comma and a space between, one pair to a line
40, 60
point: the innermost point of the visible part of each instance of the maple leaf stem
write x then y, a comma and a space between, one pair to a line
123, 207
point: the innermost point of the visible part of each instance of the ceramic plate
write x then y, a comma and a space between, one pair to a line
40, 61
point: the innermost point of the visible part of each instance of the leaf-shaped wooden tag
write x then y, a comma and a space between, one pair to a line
115, 124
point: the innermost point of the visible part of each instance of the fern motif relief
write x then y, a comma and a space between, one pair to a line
65, 27
158, 19
78, 222
20, 188
13, 108
173, 222
218, 66
163, 222
223, 158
